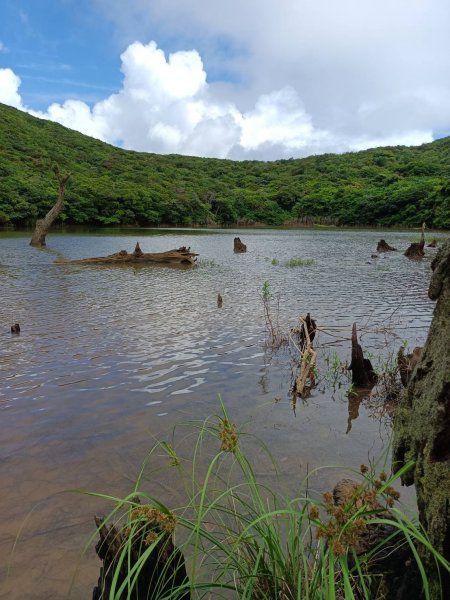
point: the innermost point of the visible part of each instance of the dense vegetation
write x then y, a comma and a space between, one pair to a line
384, 186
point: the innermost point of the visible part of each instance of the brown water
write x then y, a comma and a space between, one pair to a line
111, 357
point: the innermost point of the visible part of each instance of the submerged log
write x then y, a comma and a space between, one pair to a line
181, 255
363, 375
383, 246
422, 426
239, 246
152, 576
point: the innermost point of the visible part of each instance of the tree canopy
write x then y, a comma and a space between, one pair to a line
383, 186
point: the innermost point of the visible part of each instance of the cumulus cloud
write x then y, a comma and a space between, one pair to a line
9, 88
166, 105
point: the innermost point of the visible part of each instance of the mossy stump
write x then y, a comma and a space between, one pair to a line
422, 425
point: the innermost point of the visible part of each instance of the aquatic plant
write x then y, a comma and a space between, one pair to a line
299, 262
240, 538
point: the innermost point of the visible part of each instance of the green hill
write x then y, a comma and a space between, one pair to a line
384, 186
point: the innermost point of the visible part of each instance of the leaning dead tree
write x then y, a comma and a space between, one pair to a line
422, 426
43, 225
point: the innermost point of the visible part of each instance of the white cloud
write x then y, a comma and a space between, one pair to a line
9, 88
166, 105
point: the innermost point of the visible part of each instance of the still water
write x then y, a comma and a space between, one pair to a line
111, 358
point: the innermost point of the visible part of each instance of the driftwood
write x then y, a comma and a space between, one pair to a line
239, 246
363, 375
181, 255
161, 571
383, 246
43, 225
415, 250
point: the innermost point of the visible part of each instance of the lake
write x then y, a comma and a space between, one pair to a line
111, 358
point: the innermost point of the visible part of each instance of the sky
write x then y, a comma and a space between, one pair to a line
238, 79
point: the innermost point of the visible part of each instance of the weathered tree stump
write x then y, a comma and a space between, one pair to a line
15, 328
383, 246
161, 571
181, 255
43, 225
239, 246
415, 251
219, 301
394, 571
422, 425
363, 375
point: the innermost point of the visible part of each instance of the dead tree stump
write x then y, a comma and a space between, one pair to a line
15, 328
415, 251
383, 246
239, 246
363, 375
162, 570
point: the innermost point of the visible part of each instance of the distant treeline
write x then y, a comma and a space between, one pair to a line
384, 186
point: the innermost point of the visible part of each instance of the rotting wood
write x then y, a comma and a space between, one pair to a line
305, 333
383, 246
416, 249
363, 375
239, 246
155, 575
43, 225
181, 255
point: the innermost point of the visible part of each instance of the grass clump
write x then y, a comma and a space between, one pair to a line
241, 539
206, 262
299, 262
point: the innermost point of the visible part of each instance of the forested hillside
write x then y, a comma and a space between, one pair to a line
384, 186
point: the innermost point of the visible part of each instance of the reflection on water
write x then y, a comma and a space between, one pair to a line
110, 358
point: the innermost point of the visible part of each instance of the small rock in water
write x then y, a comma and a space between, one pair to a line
15, 328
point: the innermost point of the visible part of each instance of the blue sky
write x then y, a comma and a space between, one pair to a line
239, 79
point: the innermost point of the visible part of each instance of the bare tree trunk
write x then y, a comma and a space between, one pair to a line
43, 225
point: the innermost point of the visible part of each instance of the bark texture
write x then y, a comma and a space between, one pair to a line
43, 225
422, 424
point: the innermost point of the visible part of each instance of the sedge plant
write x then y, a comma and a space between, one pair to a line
237, 538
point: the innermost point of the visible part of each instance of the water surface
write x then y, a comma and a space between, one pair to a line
110, 358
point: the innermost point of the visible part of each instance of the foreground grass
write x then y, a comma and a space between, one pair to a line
241, 539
